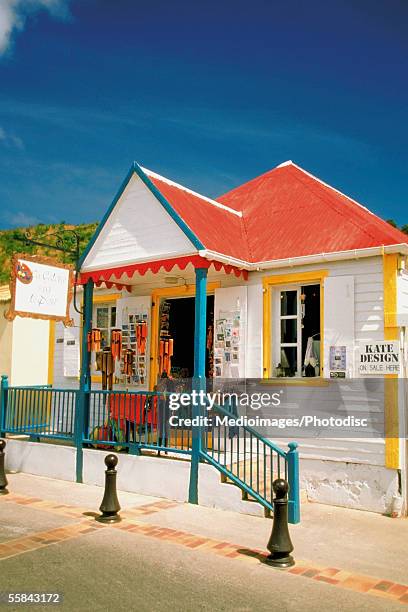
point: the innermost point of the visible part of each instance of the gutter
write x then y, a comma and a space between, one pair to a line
290, 262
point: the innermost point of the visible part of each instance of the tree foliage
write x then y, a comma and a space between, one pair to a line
10, 243
403, 228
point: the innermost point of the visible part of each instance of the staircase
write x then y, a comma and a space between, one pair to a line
251, 462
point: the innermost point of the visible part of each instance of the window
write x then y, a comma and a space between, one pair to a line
296, 331
105, 320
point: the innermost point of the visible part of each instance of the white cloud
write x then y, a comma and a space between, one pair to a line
9, 139
19, 219
14, 13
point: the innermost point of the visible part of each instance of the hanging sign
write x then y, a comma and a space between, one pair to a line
379, 358
40, 288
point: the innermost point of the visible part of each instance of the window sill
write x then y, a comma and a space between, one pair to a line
282, 381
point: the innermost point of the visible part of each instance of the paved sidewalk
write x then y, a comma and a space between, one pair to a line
169, 555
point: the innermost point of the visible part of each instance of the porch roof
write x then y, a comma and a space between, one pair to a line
118, 275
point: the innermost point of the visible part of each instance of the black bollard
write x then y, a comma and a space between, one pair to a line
110, 503
3, 479
280, 544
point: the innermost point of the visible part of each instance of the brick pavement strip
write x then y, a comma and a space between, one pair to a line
336, 577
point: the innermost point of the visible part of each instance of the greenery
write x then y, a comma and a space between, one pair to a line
403, 228
10, 243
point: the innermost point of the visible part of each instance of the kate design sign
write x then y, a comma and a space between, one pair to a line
379, 358
40, 289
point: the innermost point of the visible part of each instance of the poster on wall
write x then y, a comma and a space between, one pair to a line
338, 361
227, 344
379, 358
40, 289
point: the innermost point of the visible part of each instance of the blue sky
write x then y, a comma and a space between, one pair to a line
209, 94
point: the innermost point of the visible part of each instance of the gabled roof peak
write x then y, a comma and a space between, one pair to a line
289, 162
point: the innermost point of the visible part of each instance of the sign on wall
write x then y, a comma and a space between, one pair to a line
40, 289
379, 358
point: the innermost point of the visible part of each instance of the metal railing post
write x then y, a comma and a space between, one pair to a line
200, 322
83, 396
293, 479
3, 403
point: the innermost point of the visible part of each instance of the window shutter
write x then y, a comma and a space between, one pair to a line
339, 320
71, 351
229, 301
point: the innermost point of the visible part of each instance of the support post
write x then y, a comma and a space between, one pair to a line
293, 479
82, 404
199, 383
3, 403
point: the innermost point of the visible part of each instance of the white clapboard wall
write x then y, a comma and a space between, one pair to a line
354, 297
139, 228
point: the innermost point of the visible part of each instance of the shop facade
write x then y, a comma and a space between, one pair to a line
282, 279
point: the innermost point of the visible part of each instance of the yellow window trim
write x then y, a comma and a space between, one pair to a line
296, 382
391, 332
297, 278
157, 294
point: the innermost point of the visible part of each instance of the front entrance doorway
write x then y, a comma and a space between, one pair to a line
176, 337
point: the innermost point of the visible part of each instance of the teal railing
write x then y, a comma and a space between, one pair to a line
38, 411
250, 461
139, 421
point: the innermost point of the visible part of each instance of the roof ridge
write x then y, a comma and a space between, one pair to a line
363, 208
316, 178
333, 205
153, 174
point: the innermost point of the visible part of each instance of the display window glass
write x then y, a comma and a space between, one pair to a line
296, 341
105, 321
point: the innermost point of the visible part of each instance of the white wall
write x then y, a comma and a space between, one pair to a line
30, 345
139, 228
368, 323
61, 336
402, 299
6, 339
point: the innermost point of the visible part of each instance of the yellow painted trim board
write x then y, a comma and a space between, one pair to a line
109, 297
297, 278
157, 294
296, 382
50, 376
390, 267
51, 349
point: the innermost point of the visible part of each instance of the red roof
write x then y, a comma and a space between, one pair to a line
218, 228
289, 213
281, 214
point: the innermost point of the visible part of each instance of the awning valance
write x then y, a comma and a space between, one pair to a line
108, 275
